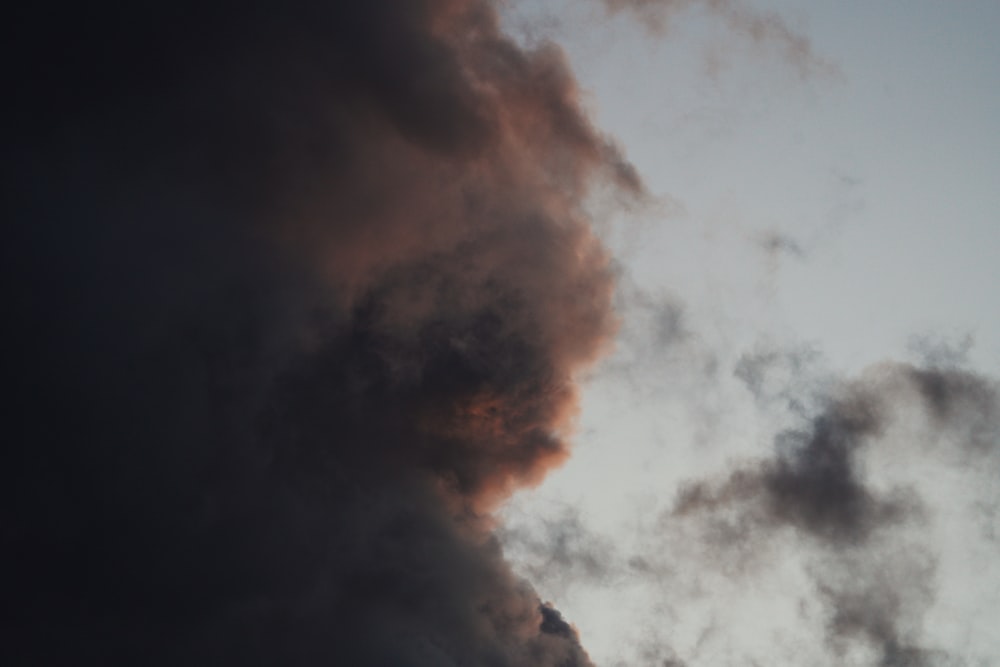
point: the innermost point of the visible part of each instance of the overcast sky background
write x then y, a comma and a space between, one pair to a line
818, 213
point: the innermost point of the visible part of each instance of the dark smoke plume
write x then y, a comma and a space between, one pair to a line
875, 583
813, 482
295, 293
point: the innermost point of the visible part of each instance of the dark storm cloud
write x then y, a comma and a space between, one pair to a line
296, 294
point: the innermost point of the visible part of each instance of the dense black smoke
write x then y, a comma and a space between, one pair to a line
295, 293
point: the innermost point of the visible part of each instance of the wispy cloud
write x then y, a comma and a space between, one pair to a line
762, 28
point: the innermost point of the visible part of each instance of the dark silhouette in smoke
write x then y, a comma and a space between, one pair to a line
296, 294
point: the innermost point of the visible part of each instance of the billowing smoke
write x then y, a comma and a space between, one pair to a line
295, 294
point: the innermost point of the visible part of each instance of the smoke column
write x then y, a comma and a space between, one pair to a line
295, 295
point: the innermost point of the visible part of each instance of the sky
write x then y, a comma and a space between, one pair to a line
826, 221
458, 332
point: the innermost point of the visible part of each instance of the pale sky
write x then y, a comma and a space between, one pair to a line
819, 217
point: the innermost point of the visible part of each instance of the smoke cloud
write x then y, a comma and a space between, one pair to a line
813, 482
872, 566
296, 295
761, 28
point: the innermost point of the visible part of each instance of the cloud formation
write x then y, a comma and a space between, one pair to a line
854, 538
298, 294
761, 28
873, 569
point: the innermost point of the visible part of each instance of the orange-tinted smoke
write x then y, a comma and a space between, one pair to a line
492, 225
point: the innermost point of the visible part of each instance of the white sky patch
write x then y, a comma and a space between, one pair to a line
839, 219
